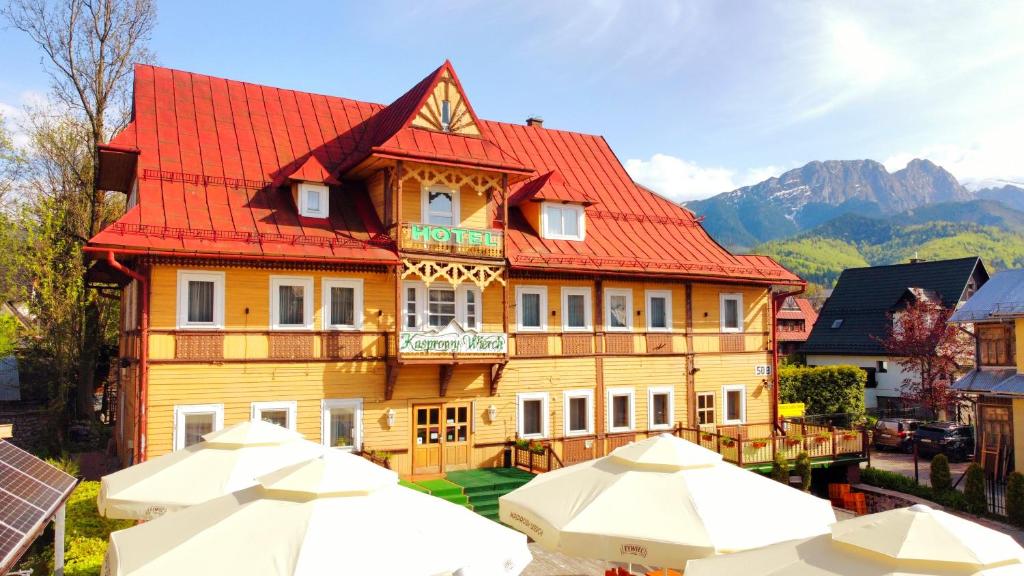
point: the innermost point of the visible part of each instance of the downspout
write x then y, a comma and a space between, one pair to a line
777, 300
143, 389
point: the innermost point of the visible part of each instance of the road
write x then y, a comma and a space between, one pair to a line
904, 464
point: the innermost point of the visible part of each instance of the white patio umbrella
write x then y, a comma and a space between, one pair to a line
338, 514
226, 461
660, 502
904, 542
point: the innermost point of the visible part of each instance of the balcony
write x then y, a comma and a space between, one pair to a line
487, 243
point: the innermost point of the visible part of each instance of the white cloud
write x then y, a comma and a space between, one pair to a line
14, 115
681, 180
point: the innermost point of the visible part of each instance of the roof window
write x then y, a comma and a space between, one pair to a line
837, 323
446, 115
563, 222
313, 199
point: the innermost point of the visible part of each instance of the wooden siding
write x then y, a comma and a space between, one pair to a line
473, 210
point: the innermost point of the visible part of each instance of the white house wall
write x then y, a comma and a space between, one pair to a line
889, 383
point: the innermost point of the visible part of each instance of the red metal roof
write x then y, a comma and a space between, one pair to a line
312, 170
215, 155
549, 187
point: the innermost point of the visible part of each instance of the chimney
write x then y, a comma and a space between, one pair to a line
535, 121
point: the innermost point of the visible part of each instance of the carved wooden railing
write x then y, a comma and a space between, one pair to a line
451, 240
555, 343
219, 345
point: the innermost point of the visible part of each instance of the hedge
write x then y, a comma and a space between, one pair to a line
900, 483
940, 476
824, 389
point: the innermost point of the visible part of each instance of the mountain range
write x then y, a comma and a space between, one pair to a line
827, 216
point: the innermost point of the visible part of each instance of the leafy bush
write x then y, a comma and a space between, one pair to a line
65, 463
974, 490
803, 469
824, 389
780, 467
941, 480
1015, 498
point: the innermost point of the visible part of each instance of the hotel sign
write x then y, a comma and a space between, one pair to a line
452, 339
448, 235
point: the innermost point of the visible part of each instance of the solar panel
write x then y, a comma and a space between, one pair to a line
30, 493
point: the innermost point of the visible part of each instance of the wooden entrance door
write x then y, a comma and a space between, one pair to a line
426, 449
456, 436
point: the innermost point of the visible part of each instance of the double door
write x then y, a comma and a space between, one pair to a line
441, 438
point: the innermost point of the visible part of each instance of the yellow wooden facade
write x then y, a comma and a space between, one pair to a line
245, 361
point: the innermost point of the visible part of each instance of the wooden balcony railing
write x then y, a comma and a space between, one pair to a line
547, 344
221, 345
749, 445
451, 240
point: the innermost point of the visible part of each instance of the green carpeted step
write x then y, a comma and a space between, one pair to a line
440, 487
483, 487
415, 487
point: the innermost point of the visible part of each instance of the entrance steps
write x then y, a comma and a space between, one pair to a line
477, 490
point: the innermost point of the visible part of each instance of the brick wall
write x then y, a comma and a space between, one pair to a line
880, 499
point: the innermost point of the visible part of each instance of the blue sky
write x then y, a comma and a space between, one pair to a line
696, 97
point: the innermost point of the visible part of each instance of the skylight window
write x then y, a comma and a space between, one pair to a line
837, 323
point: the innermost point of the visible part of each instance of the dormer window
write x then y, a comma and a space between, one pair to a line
446, 115
313, 200
563, 222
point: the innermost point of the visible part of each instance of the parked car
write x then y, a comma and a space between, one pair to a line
954, 440
895, 433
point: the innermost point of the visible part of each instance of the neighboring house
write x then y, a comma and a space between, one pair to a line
410, 278
793, 324
996, 384
858, 315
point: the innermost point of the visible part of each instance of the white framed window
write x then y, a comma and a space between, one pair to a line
579, 412
440, 206
705, 408
314, 200
434, 307
192, 421
731, 312
200, 299
618, 310
531, 308
341, 423
446, 115
291, 303
280, 412
577, 311
660, 407
563, 221
621, 410
734, 404
659, 310
342, 304
532, 415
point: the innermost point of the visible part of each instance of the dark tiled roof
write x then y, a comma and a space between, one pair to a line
864, 298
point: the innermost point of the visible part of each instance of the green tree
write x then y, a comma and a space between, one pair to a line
803, 469
974, 490
780, 468
89, 48
1015, 498
940, 477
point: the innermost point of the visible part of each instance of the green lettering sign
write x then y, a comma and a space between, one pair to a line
445, 234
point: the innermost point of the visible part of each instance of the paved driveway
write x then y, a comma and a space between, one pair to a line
904, 464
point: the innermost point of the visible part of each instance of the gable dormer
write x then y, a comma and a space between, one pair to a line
445, 107
310, 186
553, 208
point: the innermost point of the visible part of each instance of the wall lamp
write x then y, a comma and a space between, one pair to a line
389, 416
492, 413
